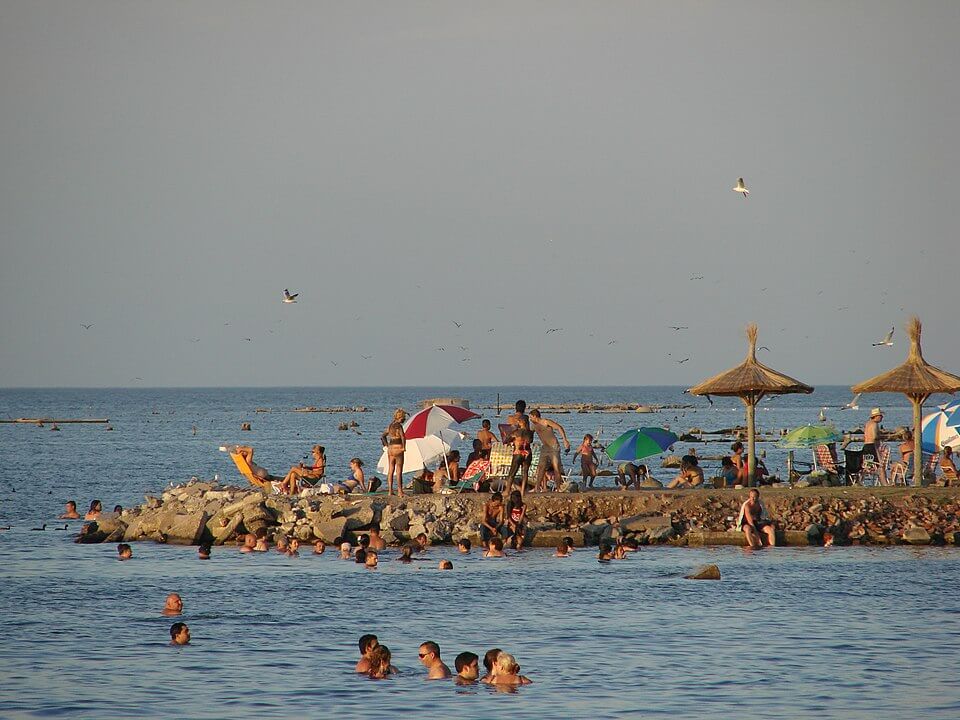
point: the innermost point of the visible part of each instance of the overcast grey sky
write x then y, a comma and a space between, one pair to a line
168, 168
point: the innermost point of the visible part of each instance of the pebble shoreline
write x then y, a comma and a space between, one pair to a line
203, 512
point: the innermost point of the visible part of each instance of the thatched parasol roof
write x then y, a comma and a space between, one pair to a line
750, 377
915, 377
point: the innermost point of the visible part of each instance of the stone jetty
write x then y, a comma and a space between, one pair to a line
203, 512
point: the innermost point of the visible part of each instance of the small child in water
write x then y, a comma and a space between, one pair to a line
588, 460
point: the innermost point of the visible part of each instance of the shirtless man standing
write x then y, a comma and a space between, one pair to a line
871, 435
517, 419
550, 452
487, 439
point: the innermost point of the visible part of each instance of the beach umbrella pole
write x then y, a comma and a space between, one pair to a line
917, 402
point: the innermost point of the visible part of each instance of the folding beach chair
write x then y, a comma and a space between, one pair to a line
876, 468
270, 483
853, 466
474, 477
826, 456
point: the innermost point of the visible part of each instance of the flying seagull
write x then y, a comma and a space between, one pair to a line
366, 357
764, 347
680, 362
679, 327
288, 298
741, 188
86, 327
887, 341
553, 330
853, 404
456, 323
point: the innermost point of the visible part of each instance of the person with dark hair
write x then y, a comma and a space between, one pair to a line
445, 565
124, 551
364, 541
489, 661
367, 645
476, 454
464, 545
491, 523
547, 430
690, 476
356, 480
486, 438
630, 544
360, 556
203, 552
522, 439
467, 665
430, 658
70, 511
728, 472
448, 473
376, 542
179, 634
96, 507
494, 547
380, 667
516, 526
371, 560
118, 509
319, 547
568, 541
406, 554
606, 552
562, 550
298, 472
421, 542
755, 523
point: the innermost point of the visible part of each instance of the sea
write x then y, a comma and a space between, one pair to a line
845, 632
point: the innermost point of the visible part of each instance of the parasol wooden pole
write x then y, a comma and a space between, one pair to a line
750, 402
917, 401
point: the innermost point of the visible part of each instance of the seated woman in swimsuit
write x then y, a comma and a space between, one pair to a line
691, 475
356, 479
449, 474
291, 482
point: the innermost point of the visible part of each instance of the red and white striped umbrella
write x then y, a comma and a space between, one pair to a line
435, 418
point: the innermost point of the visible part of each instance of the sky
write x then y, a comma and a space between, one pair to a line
470, 176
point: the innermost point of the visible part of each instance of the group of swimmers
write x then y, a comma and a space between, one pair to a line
502, 668
96, 510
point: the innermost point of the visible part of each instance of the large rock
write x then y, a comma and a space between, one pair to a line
220, 532
257, 518
660, 535
651, 483
359, 517
330, 530
552, 538
705, 572
645, 523
916, 536
183, 528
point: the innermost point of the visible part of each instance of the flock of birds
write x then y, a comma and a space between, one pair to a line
290, 298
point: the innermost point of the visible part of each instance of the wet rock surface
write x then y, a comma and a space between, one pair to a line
198, 512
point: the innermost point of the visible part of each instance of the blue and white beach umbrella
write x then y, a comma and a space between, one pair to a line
941, 428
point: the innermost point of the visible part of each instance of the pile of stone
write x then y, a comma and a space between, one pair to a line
203, 512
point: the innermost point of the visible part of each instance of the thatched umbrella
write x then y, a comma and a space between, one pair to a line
750, 381
918, 380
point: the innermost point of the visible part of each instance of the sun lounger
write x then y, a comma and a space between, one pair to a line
243, 465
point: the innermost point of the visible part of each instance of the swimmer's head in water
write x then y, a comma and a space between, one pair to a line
445, 565
467, 665
179, 634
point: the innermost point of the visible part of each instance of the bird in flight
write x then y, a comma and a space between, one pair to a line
333, 363
553, 330
741, 188
679, 327
288, 298
680, 362
490, 330
248, 339
612, 342
194, 340
887, 341
853, 404
696, 277
86, 327
456, 323
439, 349
764, 347
366, 357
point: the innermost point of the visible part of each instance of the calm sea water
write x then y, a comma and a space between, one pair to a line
840, 632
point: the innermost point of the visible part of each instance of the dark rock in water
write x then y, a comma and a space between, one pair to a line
705, 572
648, 523
649, 483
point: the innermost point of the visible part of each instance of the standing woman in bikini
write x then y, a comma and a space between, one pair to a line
396, 443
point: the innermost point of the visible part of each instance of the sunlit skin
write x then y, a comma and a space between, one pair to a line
173, 605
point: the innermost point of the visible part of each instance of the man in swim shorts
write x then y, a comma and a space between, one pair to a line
550, 452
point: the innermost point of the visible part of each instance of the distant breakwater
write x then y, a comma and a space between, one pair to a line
203, 512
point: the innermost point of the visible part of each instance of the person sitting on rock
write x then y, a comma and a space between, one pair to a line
491, 524
948, 467
477, 453
728, 472
357, 480
448, 473
755, 523
516, 525
70, 511
691, 474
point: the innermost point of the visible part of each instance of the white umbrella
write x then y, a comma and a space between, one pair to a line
423, 451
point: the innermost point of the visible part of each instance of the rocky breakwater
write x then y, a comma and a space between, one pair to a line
202, 512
